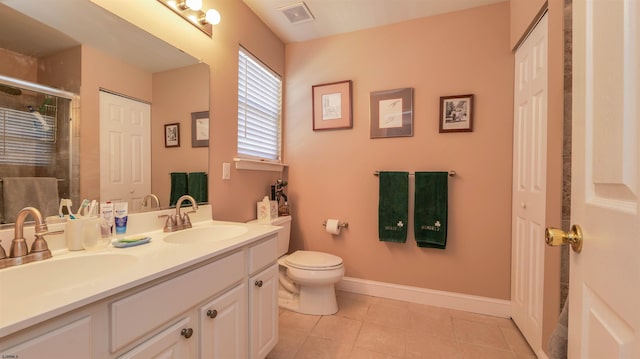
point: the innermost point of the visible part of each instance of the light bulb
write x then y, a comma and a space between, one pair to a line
212, 16
194, 5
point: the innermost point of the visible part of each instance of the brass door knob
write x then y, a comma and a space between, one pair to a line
557, 237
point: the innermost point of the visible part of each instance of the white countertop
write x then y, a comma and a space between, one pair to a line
44, 296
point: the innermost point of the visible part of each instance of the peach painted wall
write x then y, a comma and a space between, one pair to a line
524, 14
232, 199
176, 94
100, 70
235, 199
18, 66
331, 172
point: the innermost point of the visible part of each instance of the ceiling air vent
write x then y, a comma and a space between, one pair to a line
297, 13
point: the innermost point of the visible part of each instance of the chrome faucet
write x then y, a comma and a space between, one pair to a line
179, 221
19, 254
151, 197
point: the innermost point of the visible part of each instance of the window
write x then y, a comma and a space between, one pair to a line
26, 138
259, 109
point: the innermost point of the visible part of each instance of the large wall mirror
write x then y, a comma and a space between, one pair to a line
84, 50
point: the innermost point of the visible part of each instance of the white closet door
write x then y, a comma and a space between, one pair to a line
529, 184
125, 150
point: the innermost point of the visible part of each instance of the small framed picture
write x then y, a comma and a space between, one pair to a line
332, 106
391, 113
172, 135
200, 129
456, 113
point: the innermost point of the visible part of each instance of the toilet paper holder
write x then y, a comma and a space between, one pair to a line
340, 225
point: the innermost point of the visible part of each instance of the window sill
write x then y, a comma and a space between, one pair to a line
257, 165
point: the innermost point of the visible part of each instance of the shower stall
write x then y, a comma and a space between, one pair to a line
35, 143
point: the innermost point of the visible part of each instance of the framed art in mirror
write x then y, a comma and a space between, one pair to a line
391, 113
456, 113
332, 106
200, 129
172, 135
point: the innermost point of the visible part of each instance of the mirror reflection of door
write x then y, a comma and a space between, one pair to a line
125, 150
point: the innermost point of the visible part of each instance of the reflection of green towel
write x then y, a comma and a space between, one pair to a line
198, 186
178, 186
430, 214
393, 206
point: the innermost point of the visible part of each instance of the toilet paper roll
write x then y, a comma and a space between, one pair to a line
333, 226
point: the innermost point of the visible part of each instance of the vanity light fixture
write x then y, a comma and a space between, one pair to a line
193, 12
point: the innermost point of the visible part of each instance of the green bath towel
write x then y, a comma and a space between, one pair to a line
393, 206
430, 214
178, 186
198, 186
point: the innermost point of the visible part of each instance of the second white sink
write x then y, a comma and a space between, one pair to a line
209, 233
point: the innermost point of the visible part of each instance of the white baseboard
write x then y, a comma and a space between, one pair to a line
465, 302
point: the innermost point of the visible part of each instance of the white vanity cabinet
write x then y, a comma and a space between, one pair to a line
263, 298
175, 342
69, 338
221, 307
263, 311
223, 325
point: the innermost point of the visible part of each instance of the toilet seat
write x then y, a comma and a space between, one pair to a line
311, 260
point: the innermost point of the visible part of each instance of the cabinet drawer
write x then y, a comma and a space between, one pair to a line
263, 254
136, 315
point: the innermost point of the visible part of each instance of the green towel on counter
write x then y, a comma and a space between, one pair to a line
393, 206
198, 186
178, 186
431, 206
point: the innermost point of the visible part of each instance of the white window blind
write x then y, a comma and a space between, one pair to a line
259, 109
26, 138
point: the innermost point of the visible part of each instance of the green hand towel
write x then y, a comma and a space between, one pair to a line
198, 186
393, 206
430, 214
178, 186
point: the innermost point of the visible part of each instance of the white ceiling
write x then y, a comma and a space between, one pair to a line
340, 16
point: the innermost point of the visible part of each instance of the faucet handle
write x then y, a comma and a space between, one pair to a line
169, 224
186, 221
39, 244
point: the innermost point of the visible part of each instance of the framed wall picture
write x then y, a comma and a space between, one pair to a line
332, 106
456, 113
391, 113
200, 129
172, 135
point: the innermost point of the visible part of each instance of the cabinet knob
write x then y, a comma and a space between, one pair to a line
187, 332
212, 313
258, 283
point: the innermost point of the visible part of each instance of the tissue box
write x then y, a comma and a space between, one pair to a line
267, 211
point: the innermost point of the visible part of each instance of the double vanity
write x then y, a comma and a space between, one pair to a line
205, 292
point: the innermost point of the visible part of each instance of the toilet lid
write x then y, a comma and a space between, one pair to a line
313, 260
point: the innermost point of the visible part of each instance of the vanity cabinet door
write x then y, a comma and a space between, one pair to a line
223, 325
178, 341
71, 340
263, 312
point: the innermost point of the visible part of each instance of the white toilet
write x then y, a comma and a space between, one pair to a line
307, 278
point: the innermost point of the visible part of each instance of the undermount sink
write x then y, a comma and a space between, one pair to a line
210, 233
62, 273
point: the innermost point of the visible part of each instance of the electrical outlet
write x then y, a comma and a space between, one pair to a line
226, 171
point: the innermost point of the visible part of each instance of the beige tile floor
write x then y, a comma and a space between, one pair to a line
372, 328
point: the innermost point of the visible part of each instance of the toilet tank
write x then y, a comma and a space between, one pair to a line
284, 234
